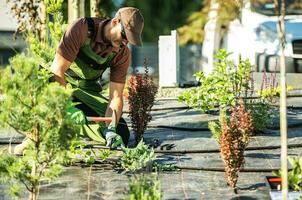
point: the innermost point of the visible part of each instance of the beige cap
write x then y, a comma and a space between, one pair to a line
133, 23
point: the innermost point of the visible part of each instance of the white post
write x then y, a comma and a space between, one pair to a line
211, 39
168, 60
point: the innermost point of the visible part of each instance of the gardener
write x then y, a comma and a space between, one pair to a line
86, 50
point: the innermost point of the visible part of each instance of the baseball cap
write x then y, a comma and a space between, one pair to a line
133, 23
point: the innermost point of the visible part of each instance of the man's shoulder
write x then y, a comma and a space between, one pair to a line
78, 24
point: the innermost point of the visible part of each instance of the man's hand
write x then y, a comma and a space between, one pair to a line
113, 140
76, 115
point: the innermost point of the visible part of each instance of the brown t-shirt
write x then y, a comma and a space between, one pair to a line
75, 36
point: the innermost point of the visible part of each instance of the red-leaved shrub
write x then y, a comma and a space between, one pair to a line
141, 95
233, 140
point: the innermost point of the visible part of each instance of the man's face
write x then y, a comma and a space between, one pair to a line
118, 35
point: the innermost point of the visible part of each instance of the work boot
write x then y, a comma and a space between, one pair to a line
19, 149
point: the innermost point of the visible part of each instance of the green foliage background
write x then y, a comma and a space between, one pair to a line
163, 16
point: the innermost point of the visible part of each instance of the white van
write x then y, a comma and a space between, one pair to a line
255, 36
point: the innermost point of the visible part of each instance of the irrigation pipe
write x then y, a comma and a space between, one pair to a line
221, 169
190, 108
180, 128
294, 125
98, 146
191, 168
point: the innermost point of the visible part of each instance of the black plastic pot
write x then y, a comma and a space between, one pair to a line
274, 184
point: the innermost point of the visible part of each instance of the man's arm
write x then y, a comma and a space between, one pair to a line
115, 99
58, 68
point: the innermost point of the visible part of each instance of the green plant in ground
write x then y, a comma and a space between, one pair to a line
144, 187
137, 158
104, 154
270, 93
294, 175
32, 108
77, 153
262, 114
261, 108
141, 96
222, 87
233, 139
225, 85
164, 167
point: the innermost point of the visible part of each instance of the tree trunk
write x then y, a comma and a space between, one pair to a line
94, 8
33, 194
76, 9
81, 8
34, 189
43, 33
283, 109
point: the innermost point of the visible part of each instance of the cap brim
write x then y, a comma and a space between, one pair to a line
134, 38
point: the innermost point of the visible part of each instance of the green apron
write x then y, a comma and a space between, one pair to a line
84, 75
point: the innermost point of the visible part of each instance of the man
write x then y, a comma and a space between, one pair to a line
88, 47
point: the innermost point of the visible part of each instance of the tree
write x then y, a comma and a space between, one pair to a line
94, 8
31, 108
193, 30
30, 16
37, 109
280, 9
163, 16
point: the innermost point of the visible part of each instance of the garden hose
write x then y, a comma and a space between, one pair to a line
290, 146
294, 125
221, 169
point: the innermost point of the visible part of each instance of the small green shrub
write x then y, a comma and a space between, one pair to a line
137, 158
144, 187
104, 154
228, 83
222, 87
164, 167
262, 114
